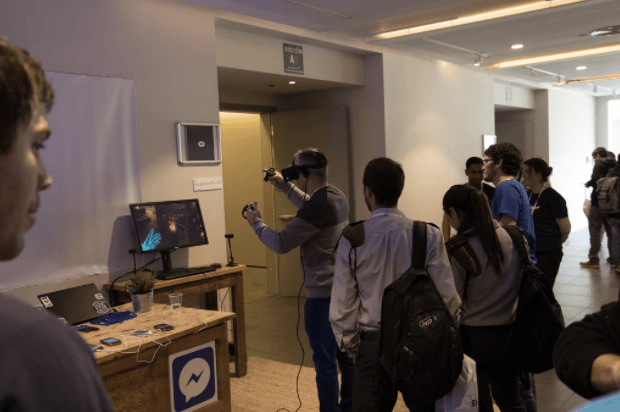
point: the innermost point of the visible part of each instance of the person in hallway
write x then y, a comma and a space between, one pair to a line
587, 354
595, 219
474, 171
323, 213
45, 364
384, 255
489, 297
613, 221
511, 206
551, 223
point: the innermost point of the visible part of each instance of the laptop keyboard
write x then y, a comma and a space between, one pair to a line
182, 272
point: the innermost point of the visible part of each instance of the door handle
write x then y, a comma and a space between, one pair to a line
286, 217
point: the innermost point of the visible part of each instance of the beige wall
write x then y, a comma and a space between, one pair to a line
242, 171
435, 116
168, 49
571, 141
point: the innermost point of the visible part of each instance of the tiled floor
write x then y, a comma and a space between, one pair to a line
271, 321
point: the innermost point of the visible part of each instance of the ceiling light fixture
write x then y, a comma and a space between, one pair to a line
474, 18
581, 68
516, 46
344, 16
292, 82
478, 61
593, 78
533, 71
479, 56
593, 51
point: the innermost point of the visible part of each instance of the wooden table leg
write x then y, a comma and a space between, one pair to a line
241, 355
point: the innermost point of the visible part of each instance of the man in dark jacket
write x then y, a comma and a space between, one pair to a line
595, 218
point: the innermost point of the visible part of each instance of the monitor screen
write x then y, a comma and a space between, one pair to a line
162, 226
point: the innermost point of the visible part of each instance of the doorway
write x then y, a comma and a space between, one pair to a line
246, 151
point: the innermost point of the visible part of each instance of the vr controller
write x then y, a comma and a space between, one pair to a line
269, 173
244, 212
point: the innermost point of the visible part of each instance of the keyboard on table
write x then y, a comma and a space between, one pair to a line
182, 272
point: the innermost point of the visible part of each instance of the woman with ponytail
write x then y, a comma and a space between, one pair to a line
551, 223
488, 283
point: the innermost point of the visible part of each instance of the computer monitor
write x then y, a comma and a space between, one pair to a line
165, 226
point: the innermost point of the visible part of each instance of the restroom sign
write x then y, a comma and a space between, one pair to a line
293, 59
193, 378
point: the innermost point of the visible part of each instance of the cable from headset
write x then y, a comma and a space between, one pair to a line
303, 352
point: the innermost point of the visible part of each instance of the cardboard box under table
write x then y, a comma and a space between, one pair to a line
191, 373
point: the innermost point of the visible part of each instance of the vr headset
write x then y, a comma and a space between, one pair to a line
293, 171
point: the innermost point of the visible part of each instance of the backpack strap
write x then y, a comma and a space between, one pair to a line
459, 247
356, 236
516, 234
418, 253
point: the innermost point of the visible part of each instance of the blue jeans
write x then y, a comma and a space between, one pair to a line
325, 354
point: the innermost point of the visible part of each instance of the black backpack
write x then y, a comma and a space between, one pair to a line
539, 320
421, 351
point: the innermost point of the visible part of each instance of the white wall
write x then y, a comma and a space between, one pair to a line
520, 97
168, 49
571, 141
366, 123
602, 122
435, 116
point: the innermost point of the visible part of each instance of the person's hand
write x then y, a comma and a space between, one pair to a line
275, 179
151, 241
253, 215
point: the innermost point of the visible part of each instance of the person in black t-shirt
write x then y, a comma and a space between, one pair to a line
551, 223
474, 168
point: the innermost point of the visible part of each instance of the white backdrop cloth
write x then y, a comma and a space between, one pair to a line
83, 227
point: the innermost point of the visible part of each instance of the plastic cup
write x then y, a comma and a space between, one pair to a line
175, 302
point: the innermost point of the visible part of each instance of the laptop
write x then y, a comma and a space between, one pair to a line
76, 305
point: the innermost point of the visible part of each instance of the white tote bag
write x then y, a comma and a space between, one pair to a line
464, 395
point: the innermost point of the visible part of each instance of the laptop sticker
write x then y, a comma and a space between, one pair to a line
46, 302
100, 307
98, 296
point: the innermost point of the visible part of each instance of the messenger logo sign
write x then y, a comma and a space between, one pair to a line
193, 378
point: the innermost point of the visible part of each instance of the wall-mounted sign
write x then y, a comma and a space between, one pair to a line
293, 59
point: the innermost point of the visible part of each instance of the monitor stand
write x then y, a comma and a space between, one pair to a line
166, 261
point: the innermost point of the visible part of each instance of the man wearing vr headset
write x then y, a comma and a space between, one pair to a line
323, 213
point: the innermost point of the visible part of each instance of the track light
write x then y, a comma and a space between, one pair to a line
595, 89
473, 18
478, 60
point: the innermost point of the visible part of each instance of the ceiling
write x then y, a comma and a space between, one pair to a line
542, 32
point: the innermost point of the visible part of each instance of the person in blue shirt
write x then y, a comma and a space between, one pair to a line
511, 206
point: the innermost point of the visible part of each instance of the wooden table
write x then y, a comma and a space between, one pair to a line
226, 277
141, 386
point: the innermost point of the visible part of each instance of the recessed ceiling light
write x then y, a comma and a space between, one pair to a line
581, 68
291, 82
516, 46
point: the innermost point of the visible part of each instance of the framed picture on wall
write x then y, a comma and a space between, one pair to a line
198, 143
488, 140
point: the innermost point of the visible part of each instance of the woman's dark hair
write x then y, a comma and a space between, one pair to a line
386, 179
540, 166
509, 154
474, 207
601, 151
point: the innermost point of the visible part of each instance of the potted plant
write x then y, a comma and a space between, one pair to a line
141, 290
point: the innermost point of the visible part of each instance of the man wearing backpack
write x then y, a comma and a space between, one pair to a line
382, 253
613, 220
595, 219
